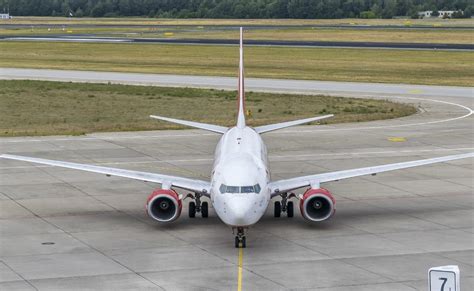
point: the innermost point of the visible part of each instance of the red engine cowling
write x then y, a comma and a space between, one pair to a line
317, 204
163, 205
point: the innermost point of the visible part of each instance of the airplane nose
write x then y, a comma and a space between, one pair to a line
242, 213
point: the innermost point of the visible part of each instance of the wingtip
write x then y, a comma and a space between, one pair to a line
6, 156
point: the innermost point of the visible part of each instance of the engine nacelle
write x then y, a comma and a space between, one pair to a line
164, 205
317, 204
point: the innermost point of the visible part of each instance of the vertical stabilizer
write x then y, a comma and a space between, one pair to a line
241, 92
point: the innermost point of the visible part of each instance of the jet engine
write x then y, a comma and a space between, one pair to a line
317, 204
164, 205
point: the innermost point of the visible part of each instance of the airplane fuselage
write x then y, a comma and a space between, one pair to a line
240, 175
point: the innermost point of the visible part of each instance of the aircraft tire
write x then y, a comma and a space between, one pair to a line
205, 210
290, 210
192, 209
277, 209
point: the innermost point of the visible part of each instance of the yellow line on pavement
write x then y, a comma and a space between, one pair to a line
397, 139
239, 279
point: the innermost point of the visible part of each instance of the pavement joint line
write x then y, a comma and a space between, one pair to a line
329, 257
88, 245
392, 186
19, 275
466, 230
36, 216
110, 258
437, 198
442, 254
183, 170
408, 190
447, 227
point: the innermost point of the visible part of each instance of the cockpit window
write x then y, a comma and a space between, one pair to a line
236, 189
222, 188
257, 188
232, 189
247, 189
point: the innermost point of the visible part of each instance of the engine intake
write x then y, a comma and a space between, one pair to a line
317, 204
164, 205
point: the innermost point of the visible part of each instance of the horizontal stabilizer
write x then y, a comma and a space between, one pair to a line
271, 127
205, 126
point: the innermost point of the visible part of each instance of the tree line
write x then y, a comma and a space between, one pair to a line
302, 9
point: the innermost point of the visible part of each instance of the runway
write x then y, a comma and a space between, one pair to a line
64, 229
229, 83
280, 43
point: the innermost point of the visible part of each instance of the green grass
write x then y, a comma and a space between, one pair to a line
355, 65
56, 108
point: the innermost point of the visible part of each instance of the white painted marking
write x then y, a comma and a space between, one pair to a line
469, 113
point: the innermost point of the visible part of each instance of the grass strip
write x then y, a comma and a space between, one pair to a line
429, 67
30, 108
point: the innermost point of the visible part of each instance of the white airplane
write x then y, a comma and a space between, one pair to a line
240, 189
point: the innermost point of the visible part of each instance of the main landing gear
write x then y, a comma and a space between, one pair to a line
240, 240
197, 206
284, 205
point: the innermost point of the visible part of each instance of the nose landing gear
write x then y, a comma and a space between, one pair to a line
197, 206
240, 239
284, 205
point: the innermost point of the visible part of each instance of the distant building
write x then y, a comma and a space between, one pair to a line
442, 13
5, 16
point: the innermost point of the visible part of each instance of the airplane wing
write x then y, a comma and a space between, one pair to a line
205, 126
271, 127
184, 183
282, 186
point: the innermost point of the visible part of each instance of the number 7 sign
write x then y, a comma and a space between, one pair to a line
444, 278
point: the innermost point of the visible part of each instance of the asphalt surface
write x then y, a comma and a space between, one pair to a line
65, 229
230, 83
285, 43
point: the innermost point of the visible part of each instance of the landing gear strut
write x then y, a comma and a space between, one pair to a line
197, 206
240, 240
284, 205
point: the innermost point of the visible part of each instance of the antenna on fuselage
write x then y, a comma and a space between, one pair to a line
241, 91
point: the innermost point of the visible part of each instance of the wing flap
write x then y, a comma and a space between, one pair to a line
185, 183
299, 182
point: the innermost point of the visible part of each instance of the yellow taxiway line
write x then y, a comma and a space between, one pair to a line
239, 277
